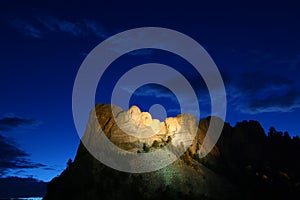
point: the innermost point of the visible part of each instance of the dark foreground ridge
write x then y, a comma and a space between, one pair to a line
245, 164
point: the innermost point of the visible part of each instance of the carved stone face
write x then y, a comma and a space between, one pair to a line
172, 124
138, 117
134, 113
145, 119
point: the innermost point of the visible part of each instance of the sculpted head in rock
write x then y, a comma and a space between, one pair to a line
134, 113
145, 119
172, 124
139, 118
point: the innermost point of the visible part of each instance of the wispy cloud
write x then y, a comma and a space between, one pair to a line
56, 24
153, 90
14, 158
26, 28
285, 102
259, 92
39, 26
10, 123
142, 52
96, 29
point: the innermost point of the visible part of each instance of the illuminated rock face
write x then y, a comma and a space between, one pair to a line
139, 118
133, 129
156, 125
135, 114
142, 119
173, 124
142, 128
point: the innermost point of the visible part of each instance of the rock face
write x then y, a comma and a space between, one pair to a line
242, 165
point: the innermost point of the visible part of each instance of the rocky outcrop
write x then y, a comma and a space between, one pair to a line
244, 164
186, 178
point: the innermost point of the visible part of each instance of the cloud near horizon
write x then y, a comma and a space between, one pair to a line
286, 102
259, 92
39, 26
14, 158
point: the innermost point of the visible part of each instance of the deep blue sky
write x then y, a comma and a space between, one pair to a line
256, 48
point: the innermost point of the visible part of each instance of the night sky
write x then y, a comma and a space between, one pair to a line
256, 48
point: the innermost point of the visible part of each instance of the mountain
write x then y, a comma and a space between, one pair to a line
244, 164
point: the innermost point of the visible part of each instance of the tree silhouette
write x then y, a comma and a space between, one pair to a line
69, 163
